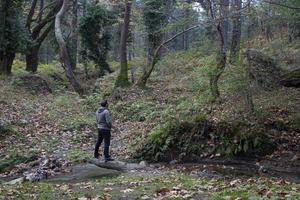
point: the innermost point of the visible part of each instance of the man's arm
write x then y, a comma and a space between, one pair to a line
108, 119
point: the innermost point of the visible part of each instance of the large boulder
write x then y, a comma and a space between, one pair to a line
263, 69
291, 78
118, 165
85, 172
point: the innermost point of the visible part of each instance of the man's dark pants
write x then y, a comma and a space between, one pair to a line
103, 134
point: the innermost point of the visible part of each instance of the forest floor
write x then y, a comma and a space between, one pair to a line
57, 128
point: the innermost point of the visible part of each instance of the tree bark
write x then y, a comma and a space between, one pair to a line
64, 56
224, 22
32, 59
122, 79
74, 39
221, 57
186, 36
236, 32
6, 61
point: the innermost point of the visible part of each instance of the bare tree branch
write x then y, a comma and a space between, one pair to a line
282, 5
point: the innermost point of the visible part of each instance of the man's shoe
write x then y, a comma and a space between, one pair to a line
109, 159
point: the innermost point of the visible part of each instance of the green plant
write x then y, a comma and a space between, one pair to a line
295, 121
78, 156
63, 101
159, 141
47, 68
92, 101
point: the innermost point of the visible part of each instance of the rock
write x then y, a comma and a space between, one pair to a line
16, 181
291, 78
118, 165
23, 122
38, 175
84, 172
143, 163
263, 69
173, 162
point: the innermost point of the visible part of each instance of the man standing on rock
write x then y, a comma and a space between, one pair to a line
104, 123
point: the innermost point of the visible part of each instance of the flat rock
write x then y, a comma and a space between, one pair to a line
16, 181
118, 165
84, 172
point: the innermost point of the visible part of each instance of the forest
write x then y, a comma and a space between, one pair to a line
187, 99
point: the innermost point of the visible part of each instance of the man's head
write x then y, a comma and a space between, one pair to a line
104, 103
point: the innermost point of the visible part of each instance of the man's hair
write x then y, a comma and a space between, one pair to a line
104, 103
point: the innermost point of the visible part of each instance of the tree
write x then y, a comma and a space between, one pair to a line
236, 31
224, 11
219, 23
72, 42
154, 59
12, 37
64, 56
96, 36
154, 18
122, 79
39, 25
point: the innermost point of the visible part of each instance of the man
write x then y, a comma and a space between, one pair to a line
104, 124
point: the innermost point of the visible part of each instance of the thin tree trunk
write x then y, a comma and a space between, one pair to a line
186, 35
221, 57
74, 39
225, 22
154, 59
122, 79
64, 56
236, 32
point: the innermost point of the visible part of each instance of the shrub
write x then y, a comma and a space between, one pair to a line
188, 139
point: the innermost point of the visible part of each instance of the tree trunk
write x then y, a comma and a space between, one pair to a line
64, 56
221, 60
236, 32
186, 36
32, 59
224, 21
6, 61
122, 79
74, 39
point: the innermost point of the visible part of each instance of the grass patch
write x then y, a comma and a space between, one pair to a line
78, 156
